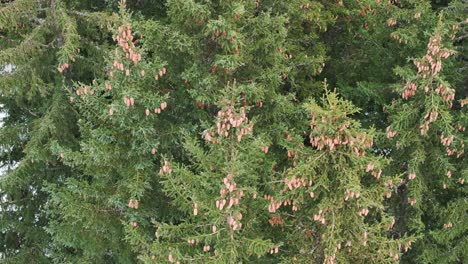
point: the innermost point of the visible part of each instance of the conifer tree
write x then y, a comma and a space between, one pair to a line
373, 37
216, 195
195, 131
243, 47
335, 191
39, 42
399, 32
429, 127
119, 125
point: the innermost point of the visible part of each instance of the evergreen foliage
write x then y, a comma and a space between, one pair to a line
196, 131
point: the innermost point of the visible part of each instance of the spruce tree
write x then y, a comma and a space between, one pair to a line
428, 124
399, 32
119, 125
196, 131
336, 192
40, 40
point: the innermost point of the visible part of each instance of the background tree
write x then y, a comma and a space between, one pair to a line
39, 56
429, 148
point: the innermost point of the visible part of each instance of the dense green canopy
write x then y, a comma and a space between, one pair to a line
237, 131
